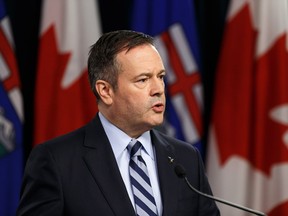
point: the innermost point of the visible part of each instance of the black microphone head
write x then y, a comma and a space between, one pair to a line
180, 171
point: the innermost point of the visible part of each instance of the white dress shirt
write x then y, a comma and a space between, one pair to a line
119, 142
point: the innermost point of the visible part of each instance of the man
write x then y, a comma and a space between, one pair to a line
93, 170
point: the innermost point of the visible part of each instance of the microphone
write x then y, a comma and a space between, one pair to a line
181, 173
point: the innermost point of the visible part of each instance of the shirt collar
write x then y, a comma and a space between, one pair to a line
119, 140
145, 139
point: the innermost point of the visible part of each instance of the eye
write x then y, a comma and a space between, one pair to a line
161, 76
143, 80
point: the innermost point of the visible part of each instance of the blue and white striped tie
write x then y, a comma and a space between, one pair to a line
140, 182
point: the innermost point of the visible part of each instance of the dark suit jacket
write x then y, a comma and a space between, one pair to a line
77, 175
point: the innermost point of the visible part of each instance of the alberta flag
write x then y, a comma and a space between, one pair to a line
172, 23
11, 118
248, 148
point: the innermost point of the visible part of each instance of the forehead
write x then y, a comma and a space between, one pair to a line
140, 56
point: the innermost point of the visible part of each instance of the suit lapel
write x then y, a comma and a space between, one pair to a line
169, 183
101, 162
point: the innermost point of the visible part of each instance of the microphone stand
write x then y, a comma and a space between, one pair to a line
180, 172
224, 201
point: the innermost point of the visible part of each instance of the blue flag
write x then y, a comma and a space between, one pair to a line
173, 24
11, 115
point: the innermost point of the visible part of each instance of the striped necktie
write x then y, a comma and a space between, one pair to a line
140, 182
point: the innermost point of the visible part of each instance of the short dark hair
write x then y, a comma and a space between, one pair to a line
102, 64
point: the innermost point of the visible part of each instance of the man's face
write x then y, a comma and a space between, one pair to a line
139, 100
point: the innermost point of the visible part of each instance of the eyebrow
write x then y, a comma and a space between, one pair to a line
149, 73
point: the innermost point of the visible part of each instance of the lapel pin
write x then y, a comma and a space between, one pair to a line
171, 160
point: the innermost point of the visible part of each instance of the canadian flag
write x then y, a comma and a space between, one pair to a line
63, 99
248, 147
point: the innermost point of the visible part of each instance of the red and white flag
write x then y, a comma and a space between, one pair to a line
248, 143
63, 99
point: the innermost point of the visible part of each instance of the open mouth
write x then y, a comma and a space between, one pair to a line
158, 107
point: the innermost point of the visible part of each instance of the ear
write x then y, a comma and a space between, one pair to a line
105, 91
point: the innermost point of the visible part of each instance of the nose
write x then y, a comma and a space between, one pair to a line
157, 87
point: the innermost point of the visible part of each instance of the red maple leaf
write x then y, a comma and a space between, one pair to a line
247, 89
281, 209
59, 110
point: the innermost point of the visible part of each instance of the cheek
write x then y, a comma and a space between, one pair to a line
128, 104
136, 98
131, 100
136, 106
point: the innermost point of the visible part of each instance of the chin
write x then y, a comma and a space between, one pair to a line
153, 121
157, 122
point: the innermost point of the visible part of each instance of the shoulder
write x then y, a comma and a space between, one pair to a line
65, 140
74, 144
60, 148
74, 139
